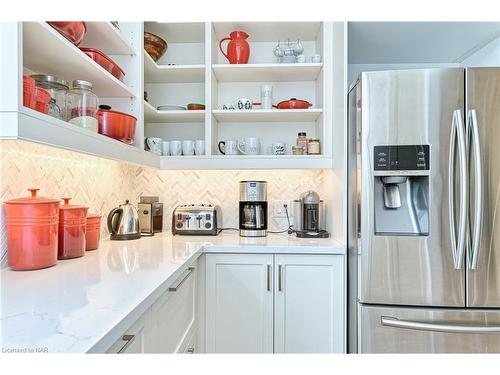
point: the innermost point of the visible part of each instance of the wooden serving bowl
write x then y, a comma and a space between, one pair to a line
154, 45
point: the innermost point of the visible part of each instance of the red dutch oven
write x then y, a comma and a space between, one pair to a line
32, 224
117, 125
72, 225
93, 232
293, 103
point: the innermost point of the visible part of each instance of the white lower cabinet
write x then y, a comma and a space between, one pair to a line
309, 304
275, 303
239, 303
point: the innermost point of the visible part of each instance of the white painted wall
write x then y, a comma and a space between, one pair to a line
489, 55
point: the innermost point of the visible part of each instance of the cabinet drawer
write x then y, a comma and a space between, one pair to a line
173, 314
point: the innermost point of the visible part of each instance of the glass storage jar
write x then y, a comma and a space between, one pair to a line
313, 146
302, 141
82, 105
54, 109
58, 89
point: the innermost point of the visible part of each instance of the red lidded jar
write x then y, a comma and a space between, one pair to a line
72, 224
32, 232
93, 232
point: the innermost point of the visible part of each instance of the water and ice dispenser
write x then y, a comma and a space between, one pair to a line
401, 190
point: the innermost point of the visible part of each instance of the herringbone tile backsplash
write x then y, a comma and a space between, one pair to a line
103, 184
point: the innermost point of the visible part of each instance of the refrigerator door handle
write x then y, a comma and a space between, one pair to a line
457, 136
436, 327
473, 137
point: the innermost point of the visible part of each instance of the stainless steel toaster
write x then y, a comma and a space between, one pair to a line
196, 219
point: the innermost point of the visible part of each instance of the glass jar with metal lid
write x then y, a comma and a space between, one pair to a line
82, 105
313, 146
58, 89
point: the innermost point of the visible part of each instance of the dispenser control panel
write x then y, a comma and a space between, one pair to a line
401, 157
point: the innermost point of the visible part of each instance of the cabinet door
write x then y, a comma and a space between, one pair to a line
239, 303
173, 315
309, 304
135, 339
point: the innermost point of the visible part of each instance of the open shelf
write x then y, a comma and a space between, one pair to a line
270, 31
152, 115
33, 126
154, 73
268, 115
245, 162
48, 52
266, 72
107, 38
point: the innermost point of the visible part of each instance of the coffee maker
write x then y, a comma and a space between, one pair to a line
253, 208
309, 216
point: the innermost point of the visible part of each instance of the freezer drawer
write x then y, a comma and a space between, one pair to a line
428, 330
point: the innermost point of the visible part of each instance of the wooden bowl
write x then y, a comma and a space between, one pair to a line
154, 45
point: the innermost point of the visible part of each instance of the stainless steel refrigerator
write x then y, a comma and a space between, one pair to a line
424, 211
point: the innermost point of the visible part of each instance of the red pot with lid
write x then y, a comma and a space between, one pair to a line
72, 226
32, 225
93, 232
293, 103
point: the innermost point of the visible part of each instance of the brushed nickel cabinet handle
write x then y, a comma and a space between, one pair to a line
188, 272
269, 272
129, 340
280, 276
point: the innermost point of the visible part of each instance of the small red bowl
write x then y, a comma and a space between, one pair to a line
29, 92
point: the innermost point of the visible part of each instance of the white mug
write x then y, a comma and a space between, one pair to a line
154, 145
301, 59
279, 148
187, 147
165, 148
228, 147
199, 147
249, 146
175, 148
316, 58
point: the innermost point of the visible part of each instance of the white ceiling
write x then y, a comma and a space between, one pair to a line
417, 42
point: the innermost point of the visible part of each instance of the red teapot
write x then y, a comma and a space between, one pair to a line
238, 49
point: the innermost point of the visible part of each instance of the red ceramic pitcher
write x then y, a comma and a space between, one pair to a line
238, 49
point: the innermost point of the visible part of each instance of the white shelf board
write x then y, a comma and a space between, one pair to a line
48, 52
152, 115
245, 162
107, 38
270, 31
33, 126
267, 72
154, 73
267, 115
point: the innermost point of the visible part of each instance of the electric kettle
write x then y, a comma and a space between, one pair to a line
123, 222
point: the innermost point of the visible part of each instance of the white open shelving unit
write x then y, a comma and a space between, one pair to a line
35, 47
201, 74
193, 70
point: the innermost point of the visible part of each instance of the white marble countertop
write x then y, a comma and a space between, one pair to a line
76, 305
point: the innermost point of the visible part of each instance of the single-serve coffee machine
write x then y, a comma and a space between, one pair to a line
309, 216
253, 208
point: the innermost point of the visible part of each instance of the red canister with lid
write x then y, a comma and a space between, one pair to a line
72, 225
32, 224
93, 232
